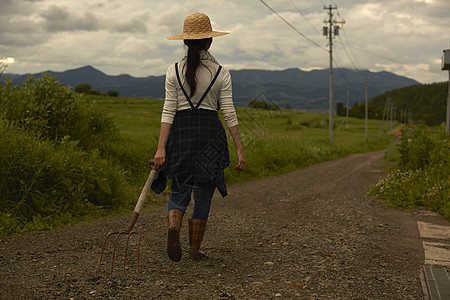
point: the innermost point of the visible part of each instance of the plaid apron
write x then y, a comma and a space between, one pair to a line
197, 148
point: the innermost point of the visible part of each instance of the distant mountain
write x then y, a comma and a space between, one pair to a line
126, 85
306, 90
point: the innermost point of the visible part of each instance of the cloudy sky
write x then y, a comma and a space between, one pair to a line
129, 37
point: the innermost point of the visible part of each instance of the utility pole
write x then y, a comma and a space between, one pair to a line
448, 105
330, 32
347, 110
366, 112
446, 66
392, 121
381, 124
388, 114
366, 80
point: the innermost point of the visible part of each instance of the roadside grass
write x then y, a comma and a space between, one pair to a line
275, 142
421, 175
95, 162
67, 158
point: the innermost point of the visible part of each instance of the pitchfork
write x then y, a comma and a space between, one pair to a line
128, 231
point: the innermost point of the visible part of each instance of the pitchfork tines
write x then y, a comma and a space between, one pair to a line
129, 229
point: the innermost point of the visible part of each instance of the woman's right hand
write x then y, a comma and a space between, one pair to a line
160, 157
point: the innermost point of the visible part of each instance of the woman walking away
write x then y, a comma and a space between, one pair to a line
192, 148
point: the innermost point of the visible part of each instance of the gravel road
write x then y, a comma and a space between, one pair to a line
310, 234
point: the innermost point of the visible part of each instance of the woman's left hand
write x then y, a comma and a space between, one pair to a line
241, 161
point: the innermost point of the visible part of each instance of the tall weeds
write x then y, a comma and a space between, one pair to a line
58, 159
422, 177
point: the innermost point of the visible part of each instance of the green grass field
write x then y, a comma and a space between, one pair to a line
65, 161
274, 142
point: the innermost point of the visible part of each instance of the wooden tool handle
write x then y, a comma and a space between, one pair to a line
145, 191
141, 200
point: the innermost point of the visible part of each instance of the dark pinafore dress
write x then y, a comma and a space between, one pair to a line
197, 148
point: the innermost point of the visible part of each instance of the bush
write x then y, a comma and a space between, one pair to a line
420, 148
60, 159
45, 184
422, 177
50, 110
94, 92
315, 122
83, 88
113, 94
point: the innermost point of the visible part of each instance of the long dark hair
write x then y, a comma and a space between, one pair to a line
193, 60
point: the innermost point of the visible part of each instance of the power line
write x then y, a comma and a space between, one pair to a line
353, 61
348, 55
317, 45
292, 26
371, 53
348, 43
343, 75
304, 16
368, 52
337, 10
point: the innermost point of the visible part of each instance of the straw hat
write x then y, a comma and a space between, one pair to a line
197, 26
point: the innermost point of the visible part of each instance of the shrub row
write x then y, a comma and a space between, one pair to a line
60, 159
422, 177
44, 184
47, 109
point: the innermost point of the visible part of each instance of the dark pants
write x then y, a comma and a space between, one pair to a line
181, 197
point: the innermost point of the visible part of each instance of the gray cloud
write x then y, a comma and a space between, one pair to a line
18, 28
439, 11
54, 34
11, 7
131, 26
57, 18
30, 36
61, 19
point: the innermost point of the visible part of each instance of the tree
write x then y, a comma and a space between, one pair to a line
357, 111
94, 92
3, 66
113, 93
83, 88
340, 109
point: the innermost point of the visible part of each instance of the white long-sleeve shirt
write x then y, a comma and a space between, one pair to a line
175, 99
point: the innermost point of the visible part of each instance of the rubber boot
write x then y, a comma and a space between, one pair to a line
173, 237
196, 232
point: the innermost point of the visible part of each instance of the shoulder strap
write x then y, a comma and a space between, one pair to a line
182, 88
204, 94
209, 87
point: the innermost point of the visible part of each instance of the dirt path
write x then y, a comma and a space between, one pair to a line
311, 234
